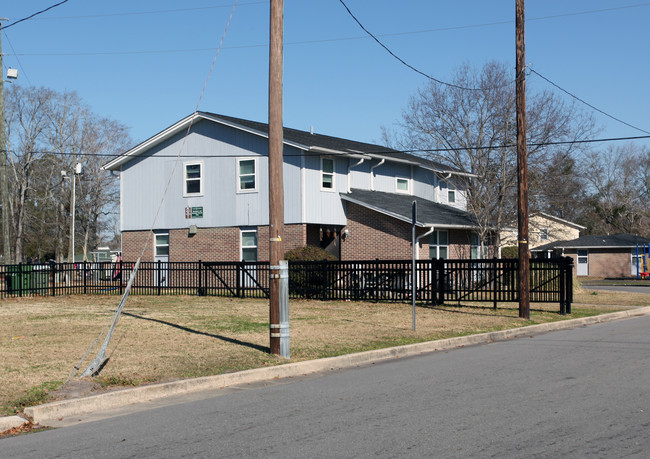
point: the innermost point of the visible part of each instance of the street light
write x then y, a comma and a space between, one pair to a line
78, 170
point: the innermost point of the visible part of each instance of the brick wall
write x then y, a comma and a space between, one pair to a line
208, 244
373, 235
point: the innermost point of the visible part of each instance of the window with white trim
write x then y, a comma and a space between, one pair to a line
161, 244
193, 179
439, 245
327, 173
246, 175
451, 194
402, 185
248, 245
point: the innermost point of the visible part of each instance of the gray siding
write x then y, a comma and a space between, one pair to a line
143, 182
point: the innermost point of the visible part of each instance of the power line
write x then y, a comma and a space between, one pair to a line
371, 152
17, 60
35, 14
402, 60
587, 103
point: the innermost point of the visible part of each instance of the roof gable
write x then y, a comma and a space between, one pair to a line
306, 141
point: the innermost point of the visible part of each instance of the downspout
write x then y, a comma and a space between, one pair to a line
417, 241
349, 169
372, 174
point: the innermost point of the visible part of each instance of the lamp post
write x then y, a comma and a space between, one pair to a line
76, 171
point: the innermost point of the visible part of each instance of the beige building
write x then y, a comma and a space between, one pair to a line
543, 229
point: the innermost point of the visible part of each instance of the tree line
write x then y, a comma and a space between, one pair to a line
48, 134
600, 186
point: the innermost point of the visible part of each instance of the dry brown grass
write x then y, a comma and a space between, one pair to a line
166, 338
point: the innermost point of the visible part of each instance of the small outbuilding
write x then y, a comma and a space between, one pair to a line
600, 256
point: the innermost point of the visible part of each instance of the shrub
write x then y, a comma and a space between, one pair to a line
510, 252
309, 253
311, 279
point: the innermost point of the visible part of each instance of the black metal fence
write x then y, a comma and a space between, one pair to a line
436, 281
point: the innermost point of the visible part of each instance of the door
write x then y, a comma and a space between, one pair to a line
583, 262
161, 259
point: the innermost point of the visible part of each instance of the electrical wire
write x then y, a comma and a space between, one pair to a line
17, 60
586, 103
369, 152
35, 14
402, 60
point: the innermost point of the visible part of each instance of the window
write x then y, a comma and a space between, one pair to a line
543, 234
439, 245
451, 195
246, 173
249, 245
402, 185
327, 173
161, 244
474, 249
193, 179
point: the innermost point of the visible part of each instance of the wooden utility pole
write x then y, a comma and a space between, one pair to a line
522, 165
4, 186
276, 186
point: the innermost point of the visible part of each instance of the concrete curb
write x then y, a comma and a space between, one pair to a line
9, 422
42, 413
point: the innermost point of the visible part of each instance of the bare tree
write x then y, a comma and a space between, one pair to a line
617, 191
50, 133
475, 131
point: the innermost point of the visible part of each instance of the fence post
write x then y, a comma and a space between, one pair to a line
561, 265
495, 290
323, 276
158, 276
200, 290
238, 280
20, 279
376, 280
121, 274
52, 277
83, 273
569, 283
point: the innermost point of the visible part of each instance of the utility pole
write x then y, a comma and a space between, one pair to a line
276, 186
4, 187
522, 164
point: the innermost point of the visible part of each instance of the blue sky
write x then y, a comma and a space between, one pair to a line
144, 63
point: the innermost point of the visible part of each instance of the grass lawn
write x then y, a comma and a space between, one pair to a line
167, 338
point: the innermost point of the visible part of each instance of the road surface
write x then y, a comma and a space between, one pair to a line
581, 392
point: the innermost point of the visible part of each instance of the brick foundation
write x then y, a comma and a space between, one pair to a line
208, 244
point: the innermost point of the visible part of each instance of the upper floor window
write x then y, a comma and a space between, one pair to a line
402, 185
327, 173
451, 194
247, 175
193, 179
543, 234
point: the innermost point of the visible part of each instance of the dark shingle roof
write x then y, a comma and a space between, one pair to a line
399, 205
334, 143
594, 241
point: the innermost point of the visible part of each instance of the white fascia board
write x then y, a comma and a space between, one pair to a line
149, 143
589, 247
395, 160
178, 127
329, 151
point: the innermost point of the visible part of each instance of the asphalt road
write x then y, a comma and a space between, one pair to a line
621, 288
581, 392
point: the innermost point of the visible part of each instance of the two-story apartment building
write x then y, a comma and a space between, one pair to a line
201, 186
